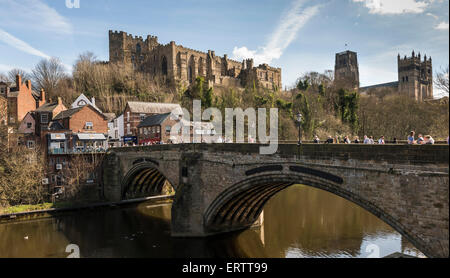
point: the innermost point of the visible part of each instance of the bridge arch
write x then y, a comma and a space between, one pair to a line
144, 179
240, 206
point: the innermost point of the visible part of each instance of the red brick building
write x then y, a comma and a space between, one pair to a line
21, 99
85, 129
156, 129
136, 112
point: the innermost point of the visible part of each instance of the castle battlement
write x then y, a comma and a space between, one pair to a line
181, 63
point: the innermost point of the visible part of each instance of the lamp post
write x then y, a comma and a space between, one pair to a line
299, 121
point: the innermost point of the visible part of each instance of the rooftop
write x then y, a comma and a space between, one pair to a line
154, 108
154, 120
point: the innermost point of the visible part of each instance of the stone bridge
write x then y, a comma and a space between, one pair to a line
223, 187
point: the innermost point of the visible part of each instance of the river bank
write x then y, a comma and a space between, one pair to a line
48, 210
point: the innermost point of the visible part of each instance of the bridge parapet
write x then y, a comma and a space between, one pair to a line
223, 187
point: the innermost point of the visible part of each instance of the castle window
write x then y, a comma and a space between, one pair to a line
403, 79
138, 49
407, 79
164, 65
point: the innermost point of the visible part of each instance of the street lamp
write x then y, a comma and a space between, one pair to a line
299, 121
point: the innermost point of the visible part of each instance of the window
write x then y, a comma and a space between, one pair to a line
44, 118
89, 126
145, 131
30, 144
128, 116
168, 128
142, 117
154, 129
128, 129
81, 103
158, 129
141, 131
116, 134
29, 125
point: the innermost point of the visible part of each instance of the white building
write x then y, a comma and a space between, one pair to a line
116, 131
82, 100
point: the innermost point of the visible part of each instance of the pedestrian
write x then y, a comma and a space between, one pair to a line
395, 141
371, 141
420, 140
366, 140
429, 140
357, 140
346, 140
316, 139
329, 140
381, 141
411, 139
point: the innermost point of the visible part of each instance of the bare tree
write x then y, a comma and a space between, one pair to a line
14, 72
3, 78
81, 169
47, 74
21, 173
441, 81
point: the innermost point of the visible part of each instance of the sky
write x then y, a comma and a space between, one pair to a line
296, 35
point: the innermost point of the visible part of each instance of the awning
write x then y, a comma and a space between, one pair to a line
57, 136
91, 136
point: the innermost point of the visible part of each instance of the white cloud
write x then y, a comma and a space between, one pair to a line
282, 37
12, 41
442, 26
33, 14
385, 7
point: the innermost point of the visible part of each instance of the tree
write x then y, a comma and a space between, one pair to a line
441, 81
21, 173
348, 106
3, 78
14, 72
47, 74
303, 107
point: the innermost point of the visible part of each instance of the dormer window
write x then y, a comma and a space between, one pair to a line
89, 126
44, 118
29, 125
82, 103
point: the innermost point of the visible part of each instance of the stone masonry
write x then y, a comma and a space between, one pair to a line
223, 187
181, 64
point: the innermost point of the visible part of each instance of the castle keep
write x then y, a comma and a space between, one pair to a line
181, 64
415, 76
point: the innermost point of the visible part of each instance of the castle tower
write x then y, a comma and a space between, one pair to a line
415, 76
346, 70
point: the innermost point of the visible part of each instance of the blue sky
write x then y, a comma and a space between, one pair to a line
296, 35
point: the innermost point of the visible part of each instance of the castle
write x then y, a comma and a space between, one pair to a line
415, 76
180, 64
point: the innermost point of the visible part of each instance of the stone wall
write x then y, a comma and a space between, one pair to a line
181, 64
223, 187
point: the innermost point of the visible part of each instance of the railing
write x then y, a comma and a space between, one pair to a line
76, 151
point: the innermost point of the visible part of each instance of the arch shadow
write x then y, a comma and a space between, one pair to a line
144, 179
240, 206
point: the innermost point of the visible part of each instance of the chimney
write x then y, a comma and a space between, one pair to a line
18, 81
59, 100
42, 96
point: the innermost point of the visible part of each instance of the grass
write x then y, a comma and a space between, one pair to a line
26, 208
44, 206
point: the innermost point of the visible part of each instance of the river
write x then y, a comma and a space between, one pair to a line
299, 222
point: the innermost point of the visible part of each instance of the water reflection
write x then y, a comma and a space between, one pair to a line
299, 222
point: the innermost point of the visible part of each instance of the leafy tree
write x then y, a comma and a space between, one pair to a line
348, 105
